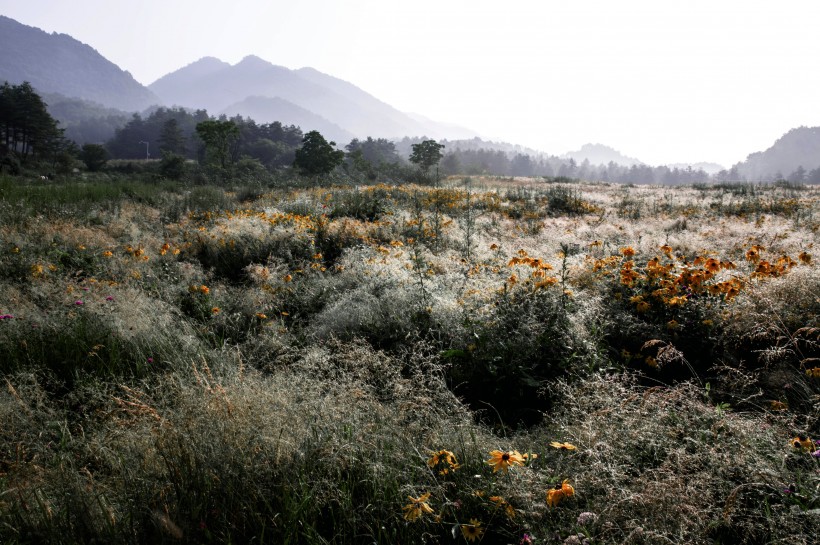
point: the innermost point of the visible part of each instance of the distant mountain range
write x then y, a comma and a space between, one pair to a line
797, 148
306, 97
57, 63
599, 154
92, 96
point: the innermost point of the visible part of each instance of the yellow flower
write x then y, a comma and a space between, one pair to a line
563, 446
261, 316
472, 531
805, 257
107, 253
651, 362
628, 251
803, 442
443, 458
567, 489
205, 290
554, 496
503, 504
417, 507
505, 460
215, 310
561, 491
814, 372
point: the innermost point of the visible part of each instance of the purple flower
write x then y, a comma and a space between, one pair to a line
816, 453
150, 360
6, 316
85, 289
109, 298
78, 303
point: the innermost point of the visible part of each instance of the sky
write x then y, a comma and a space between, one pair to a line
664, 82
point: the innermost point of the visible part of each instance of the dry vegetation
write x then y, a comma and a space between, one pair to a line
337, 364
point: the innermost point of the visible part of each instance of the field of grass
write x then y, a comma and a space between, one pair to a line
491, 361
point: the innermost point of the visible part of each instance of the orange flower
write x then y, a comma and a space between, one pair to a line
417, 507
472, 531
505, 460
629, 251
805, 257
563, 446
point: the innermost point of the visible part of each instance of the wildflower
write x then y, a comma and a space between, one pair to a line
805, 258
6, 317
215, 310
561, 491
417, 507
505, 460
586, 518
628, 251
643, 307
37, 270
814, 372
261, 316
778, 406
651, 362
802, 442
109, 298
78, 303
672, 324
563, 446
443, 458
503, 504
287, 278
472, 531
526, 539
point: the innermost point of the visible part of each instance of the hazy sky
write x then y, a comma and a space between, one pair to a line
708, 80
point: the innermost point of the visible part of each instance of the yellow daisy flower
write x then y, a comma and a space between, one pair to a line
563, 446
505, 460
472, 531
417, 507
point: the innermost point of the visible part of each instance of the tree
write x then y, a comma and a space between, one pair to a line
171, 139
94, 156
26, 127
219, 137
426, 154
317, 156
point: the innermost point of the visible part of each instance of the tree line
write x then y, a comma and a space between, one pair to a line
227, 147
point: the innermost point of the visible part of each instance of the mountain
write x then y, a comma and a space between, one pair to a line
217, 86
268, 110
599, 154
85, 122
57, 63
797, 148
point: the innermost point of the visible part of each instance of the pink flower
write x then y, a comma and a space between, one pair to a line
150, 360
78, 303
109, 298
6, 316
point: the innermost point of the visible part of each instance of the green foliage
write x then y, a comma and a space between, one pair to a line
220, 137
317, 156
94, 156
426, 154
510, 357
172, 166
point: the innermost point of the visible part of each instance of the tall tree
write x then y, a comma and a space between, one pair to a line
26, 127
426, 154
172, 139
317, 156
219, 137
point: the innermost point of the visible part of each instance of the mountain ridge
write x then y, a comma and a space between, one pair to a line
59, 63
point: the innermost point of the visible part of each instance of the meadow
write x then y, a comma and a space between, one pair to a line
494, 360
